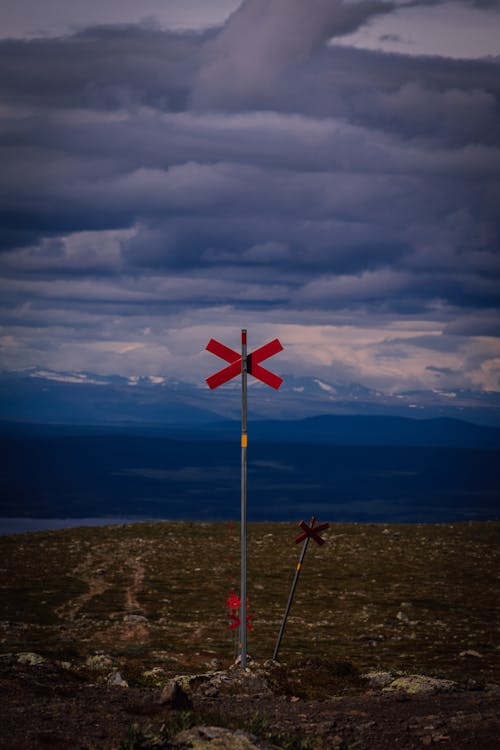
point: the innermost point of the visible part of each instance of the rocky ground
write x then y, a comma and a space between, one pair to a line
117, 638
49, 705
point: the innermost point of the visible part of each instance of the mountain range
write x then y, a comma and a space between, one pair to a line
39, 395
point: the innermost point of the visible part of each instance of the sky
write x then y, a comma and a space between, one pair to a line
322, 171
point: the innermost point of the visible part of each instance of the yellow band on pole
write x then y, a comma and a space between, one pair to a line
244, 441
299, 565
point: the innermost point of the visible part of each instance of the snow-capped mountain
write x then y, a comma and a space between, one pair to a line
42, 395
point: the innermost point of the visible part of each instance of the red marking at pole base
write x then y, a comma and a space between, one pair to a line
233, 601
311, 531
253, 366
237, 622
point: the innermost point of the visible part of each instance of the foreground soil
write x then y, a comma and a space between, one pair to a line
47, 706
94, 623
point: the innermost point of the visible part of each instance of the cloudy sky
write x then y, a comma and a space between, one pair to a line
324, 171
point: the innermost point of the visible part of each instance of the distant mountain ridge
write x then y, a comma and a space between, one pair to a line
84, 398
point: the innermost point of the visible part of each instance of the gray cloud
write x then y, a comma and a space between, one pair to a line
241, 67
257, 173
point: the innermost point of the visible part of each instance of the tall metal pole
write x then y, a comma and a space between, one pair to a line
244, 444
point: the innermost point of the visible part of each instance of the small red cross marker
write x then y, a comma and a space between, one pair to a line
235, 363
312, 532
309, 531
236, 622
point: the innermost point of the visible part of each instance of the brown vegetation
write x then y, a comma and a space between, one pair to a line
148, 601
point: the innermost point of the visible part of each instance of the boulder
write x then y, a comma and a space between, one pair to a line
418, 684
218, 738
28, 657
379, 679
175, 696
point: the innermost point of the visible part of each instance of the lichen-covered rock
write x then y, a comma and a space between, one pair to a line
155, 676
192, 682
218, 738
379, 679
29, 657
99, 662
253, 681
421, 684
234, 681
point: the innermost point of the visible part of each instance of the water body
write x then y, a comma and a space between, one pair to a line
23, 525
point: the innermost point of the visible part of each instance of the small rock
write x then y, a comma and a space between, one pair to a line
135, 619
164, 655
99, 662
237, 661
116, 679
175, 696
28, 657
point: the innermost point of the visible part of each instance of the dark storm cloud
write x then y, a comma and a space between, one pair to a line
259, 167
101, 68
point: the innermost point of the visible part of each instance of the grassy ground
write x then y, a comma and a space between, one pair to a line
416, 598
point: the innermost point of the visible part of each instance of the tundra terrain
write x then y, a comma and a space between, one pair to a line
392, 638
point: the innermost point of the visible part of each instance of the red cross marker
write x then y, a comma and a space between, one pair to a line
235, 360
310, 532
259, 355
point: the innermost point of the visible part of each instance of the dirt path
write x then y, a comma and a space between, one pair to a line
92, 573
132, 590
